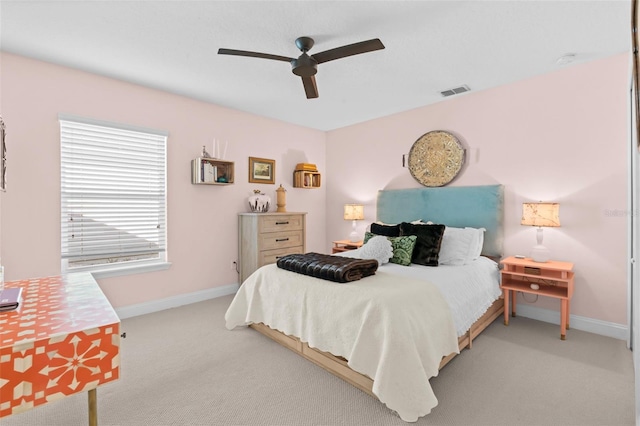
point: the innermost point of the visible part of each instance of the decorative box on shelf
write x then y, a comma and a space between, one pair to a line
306, 175
211, 171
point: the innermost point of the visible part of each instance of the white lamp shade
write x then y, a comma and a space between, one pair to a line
353, 212
541, 214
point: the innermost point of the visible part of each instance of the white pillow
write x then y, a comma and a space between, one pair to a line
378, 248
478, 251
460, 245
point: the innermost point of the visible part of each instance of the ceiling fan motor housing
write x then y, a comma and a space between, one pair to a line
304, 66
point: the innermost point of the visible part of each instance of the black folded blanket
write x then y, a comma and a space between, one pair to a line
333, 268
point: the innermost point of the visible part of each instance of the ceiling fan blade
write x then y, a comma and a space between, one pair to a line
310, 87
348, 50
253, 54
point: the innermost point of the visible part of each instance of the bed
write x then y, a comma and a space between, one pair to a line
389, 333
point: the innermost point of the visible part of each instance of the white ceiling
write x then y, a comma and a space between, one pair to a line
430, 46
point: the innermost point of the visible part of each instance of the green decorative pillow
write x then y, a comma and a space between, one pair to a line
402, 247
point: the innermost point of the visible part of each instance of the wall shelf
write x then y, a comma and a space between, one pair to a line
306, 179
211, 171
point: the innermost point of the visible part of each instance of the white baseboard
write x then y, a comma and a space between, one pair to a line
175, 301
604, 328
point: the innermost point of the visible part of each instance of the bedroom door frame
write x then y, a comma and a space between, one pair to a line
633, 269
633, 305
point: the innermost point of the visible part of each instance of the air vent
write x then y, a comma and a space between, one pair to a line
455, 90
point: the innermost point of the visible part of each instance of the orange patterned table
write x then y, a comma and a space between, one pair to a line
63, 339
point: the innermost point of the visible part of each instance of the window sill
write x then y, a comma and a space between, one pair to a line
101, 271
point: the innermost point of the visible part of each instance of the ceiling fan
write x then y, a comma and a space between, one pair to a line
306, 66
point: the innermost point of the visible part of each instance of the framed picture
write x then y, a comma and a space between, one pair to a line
3, 158
262, 170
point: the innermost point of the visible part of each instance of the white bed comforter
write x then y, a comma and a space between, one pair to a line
393, 329
468, 289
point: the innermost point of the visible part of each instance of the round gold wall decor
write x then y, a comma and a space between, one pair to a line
436, 158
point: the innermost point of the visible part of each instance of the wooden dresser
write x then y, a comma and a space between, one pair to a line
265, 237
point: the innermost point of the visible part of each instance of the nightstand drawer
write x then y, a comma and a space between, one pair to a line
280, 223
277, 240
271, 256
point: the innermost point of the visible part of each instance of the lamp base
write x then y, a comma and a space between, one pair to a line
354, 237
540, 253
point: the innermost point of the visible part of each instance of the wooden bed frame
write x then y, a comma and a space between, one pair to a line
338, 366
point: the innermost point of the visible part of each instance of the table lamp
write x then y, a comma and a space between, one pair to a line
353, 212
540, 215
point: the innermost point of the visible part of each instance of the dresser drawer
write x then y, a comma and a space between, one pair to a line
278, 223
265, 237
271, 256
276, 240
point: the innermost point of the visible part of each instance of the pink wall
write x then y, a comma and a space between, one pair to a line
202, 220
558, 137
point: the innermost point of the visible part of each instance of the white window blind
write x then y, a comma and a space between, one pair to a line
113, 186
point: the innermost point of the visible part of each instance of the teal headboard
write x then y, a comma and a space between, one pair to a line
457, 206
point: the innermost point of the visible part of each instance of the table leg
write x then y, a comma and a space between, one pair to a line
568, 312
514, 296
506, 306
93, 407
563, 319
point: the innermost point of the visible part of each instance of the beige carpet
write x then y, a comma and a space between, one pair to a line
182, 367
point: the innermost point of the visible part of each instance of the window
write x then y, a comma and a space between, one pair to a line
113, 195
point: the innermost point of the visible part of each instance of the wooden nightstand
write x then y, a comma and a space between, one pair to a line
553, 279
345, 245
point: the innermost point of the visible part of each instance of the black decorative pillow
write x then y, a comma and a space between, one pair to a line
386, 230
428, 243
